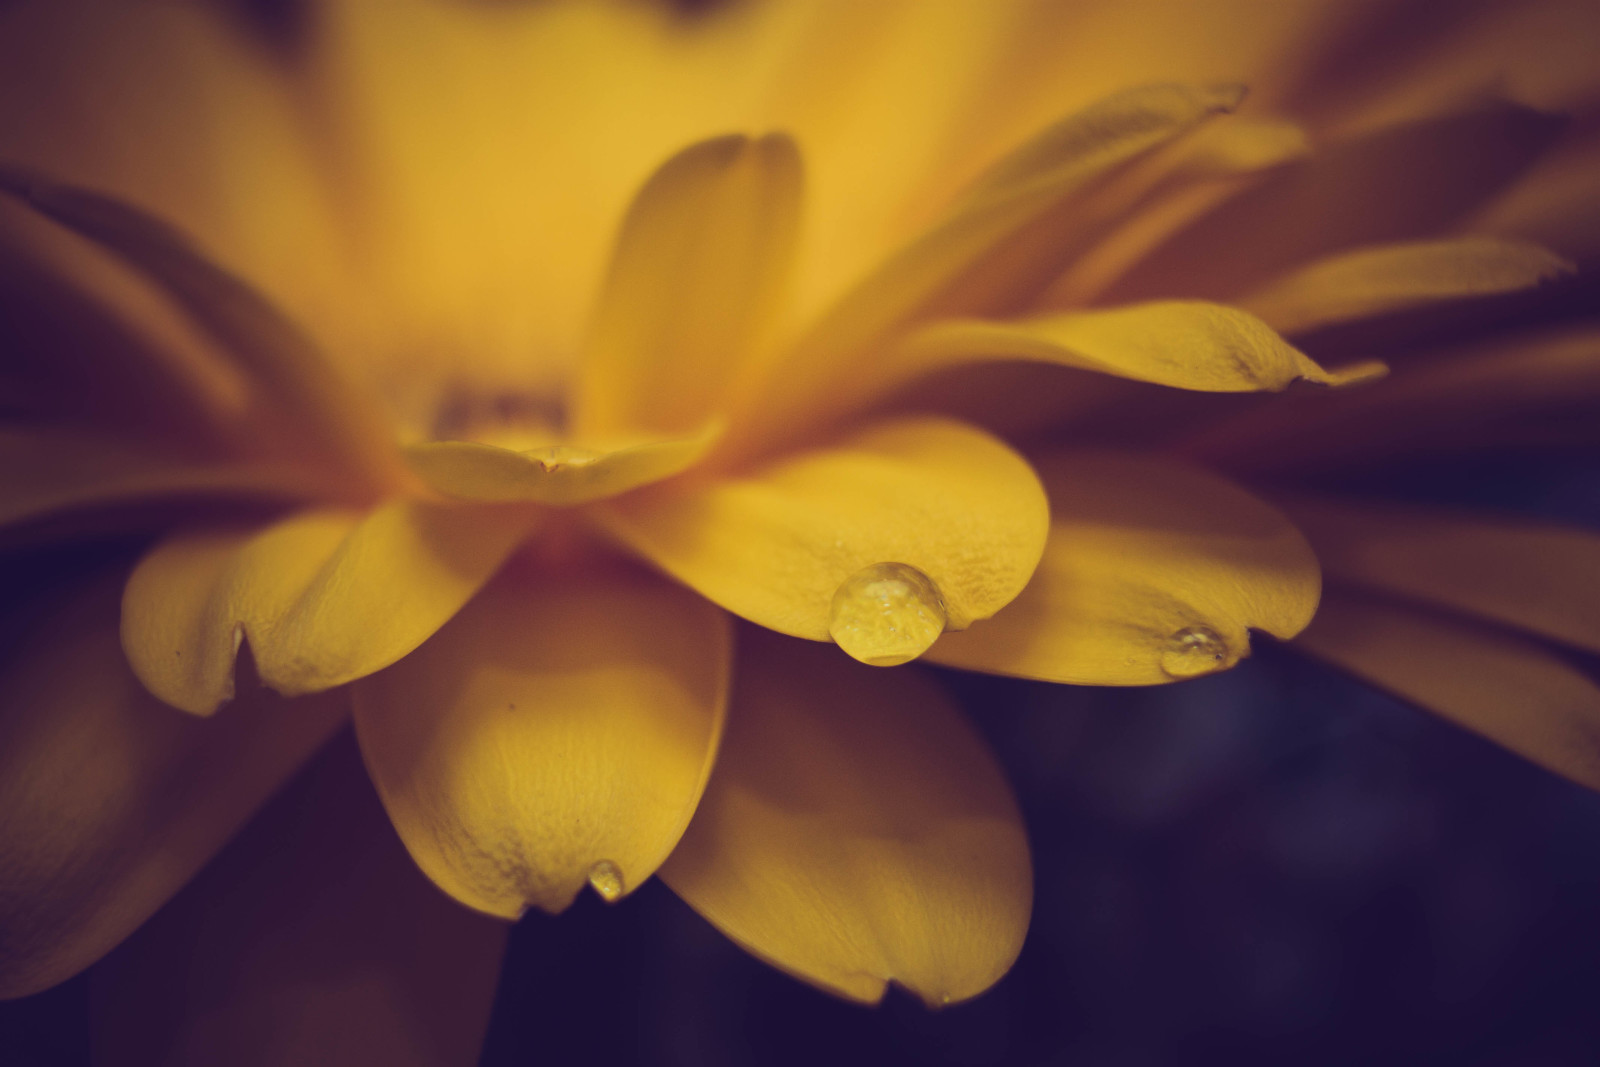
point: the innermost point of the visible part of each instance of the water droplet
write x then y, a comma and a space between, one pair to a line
1193, 651
886, 614
553, 457
607, 881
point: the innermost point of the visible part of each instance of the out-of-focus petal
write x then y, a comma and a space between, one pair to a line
1510, 689
694, 285
323, 597
1185, 344
110, 801
557, 733
312, 940
1373, 281
1156, 570
1537, 577
774, 545
857, 831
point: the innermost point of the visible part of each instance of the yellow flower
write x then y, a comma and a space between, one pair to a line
495, 379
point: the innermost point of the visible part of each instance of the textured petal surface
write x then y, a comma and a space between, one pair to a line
857, 831
1510, 689
1373, 281
697, 276
1144, 551
774, 545
110, 801
1541, 578
557, 733
323, 597
312, 940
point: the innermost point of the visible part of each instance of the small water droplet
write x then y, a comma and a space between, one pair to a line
886, 614
1193, 651
607, 881
553, 457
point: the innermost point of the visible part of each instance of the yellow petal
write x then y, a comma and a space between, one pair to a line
109, 801
775, 545
1373, 281
312, 939
857, 831
1156, 571
1541, 578
1184, 344
557, 733
558, 474
323, 597
1508, 689
699, 270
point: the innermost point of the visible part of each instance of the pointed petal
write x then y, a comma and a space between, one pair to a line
699, 271
773, 546
1184, 344
553, 735
110, 801
1537, 577
1374, 281
312, 940
323, 597
1509, 689
857, 831
1156, 570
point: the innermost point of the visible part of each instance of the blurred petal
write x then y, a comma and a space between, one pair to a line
696, 280
110, 801
1509, 689
773, 546
311, 940
1374, 281
554, 734
1541, 578
857, 831
323, 597
1156, 570
1184, 344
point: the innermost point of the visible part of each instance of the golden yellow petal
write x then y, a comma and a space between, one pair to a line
109, 801
857, 831
558, 733
1156, 571
774, 545
1373, 281
1507, 688
323, 597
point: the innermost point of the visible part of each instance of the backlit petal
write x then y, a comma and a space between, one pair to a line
857, 831
1507, 688
557, 733
775, 544
323, 597
109, 801
1156, 570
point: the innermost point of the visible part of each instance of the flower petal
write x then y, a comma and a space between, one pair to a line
1541, 578
699, 270
552, 735
557, 475
1373, 281
323, 597
312, 939
1156, 570
857, 831
774, 546
109, 801
1511, 690
1180, 343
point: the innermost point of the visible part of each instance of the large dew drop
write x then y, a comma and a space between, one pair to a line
886, 614
607, 881
1193, 651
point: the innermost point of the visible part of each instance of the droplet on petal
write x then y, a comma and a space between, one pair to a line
607, 881
886, 614
553, 457
1193, 651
